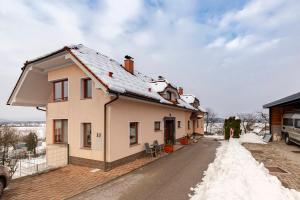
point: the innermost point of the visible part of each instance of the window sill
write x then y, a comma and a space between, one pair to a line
86, 148
134, 145
59, 101
157, 130
87, 98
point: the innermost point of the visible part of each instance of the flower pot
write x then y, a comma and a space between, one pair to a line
184, 141
168, 148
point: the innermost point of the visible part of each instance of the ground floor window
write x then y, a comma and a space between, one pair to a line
60, 130
133, 133
157, 126
87, 135
179, 124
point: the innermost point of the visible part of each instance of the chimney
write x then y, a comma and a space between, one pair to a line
180, 91
110, 74
129, 64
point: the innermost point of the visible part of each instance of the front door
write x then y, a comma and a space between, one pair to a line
169, 131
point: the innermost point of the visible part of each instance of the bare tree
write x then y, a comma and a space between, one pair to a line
210, 119
8, 139
247, 121
264, 118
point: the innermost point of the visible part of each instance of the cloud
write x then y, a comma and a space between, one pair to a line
234, 56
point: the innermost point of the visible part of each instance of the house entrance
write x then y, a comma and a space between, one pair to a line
169, 130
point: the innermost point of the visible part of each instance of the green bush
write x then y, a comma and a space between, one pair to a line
234, 123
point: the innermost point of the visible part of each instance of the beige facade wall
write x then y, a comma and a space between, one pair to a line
200, 128
78, 111
124, 111
119, 114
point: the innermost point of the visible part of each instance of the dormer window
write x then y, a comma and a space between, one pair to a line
168, 95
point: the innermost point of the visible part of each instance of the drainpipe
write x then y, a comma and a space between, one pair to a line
104, 139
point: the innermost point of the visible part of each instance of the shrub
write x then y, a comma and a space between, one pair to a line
234, 123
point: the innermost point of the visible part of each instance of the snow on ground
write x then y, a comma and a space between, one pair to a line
251, 138
219, 137
236, 175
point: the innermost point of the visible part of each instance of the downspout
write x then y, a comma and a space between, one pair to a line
105, 127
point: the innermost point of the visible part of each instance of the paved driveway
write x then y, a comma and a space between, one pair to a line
169, 178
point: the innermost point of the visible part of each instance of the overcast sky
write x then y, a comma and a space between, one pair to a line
234, 55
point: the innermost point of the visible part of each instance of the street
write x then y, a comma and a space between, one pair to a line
169, 178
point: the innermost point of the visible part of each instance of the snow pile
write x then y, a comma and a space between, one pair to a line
251, 138
236, 175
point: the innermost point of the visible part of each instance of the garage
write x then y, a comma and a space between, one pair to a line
289, 104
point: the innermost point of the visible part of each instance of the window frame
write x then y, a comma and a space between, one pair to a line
136, 133
84, 83
159, 126
178, 124
170, 95
62, 84
62, 128
84, 134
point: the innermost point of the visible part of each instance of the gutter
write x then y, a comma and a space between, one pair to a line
41, 109
105, 131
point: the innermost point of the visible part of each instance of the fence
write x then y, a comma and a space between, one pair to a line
30, 166
52, 156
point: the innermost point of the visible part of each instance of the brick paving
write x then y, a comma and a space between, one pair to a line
282, 156
67, 181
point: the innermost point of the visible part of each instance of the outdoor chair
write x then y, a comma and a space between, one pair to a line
158, 147
150, 150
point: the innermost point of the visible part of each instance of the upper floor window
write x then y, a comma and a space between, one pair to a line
168, 95
197, 123
189, 125
60, 90
86, 88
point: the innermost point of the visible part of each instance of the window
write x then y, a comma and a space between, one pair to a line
87, 88
87, 135
60, 90
197, 123
288, 122
178, 124
157, 126
297, 123
60, 131
133, 134
189, 124
168, 95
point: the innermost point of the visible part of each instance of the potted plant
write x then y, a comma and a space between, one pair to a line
168, 147
184, 140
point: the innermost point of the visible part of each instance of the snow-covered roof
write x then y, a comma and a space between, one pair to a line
99, 67
121, 81
189, 98
201, 109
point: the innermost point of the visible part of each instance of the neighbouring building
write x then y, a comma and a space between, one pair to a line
99, 113
276, 111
